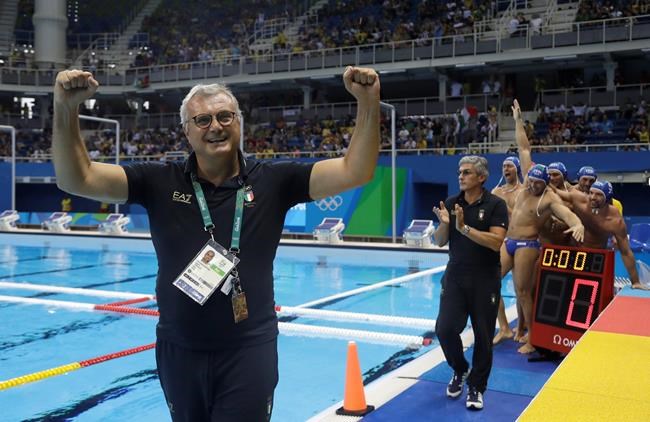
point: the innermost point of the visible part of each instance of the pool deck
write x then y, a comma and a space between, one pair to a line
605, 377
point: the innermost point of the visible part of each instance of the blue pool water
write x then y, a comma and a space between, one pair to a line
311, 369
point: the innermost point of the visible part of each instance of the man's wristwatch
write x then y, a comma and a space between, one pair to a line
465, 230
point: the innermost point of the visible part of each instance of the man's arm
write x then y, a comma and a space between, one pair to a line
562, 212
75, 172
441, 234
357, 167
572, 196
491, 239
620, 234
523, 145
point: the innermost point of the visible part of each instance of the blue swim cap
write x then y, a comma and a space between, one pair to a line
605, 188
587, 171
515, 162
538, 172
559, 167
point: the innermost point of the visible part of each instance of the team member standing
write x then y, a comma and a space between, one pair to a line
475, 229
216, 347
603, 220
586, 177
512, 173
553, 230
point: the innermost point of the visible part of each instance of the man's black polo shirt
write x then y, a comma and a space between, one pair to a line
165, 190
488, 211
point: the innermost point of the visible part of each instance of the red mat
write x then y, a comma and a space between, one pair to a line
625, 315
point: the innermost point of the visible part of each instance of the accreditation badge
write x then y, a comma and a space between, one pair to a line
206, 272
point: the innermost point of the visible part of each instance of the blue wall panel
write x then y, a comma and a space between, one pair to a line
431, 178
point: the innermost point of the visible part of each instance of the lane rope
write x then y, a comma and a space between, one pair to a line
413, 342
391, 282
396, 321
64, 369
285, 327
74, 290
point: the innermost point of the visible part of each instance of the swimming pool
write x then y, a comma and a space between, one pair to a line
311, 368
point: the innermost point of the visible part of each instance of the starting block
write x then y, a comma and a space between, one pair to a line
8, 220
419, 233
114, 224
57, 222
330, 230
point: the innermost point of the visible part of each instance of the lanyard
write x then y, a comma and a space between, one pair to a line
207, 220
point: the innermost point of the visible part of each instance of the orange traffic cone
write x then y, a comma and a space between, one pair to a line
354, 401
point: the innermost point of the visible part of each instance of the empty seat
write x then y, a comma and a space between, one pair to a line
330, 230
8, 220
114, 224
640, 237
419, 233
57, 222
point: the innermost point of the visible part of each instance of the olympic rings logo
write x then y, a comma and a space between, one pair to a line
331, 203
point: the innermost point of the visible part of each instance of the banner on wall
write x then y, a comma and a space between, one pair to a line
337, 206
366, 211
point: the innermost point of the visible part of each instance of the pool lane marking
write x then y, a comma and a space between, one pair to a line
16, 261
396, 321
64, 369
82, 267
74, 290
316, 313
412, 342
285, 328
392, 281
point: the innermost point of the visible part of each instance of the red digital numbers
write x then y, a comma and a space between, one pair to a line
581, 306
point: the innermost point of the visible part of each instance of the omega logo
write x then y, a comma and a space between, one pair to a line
563, 341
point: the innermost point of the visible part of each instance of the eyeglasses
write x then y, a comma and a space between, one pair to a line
465, 172
224, 117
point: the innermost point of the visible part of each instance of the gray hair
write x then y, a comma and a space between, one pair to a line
480, 164
207, 91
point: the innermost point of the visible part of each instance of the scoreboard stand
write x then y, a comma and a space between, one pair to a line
573, 287
545, 355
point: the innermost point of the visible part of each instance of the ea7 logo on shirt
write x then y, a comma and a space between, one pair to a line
181, 197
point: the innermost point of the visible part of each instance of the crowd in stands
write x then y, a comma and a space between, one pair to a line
555, 125
203, 30
190, 34
579, 124
352, 23
590, 10
327, 137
